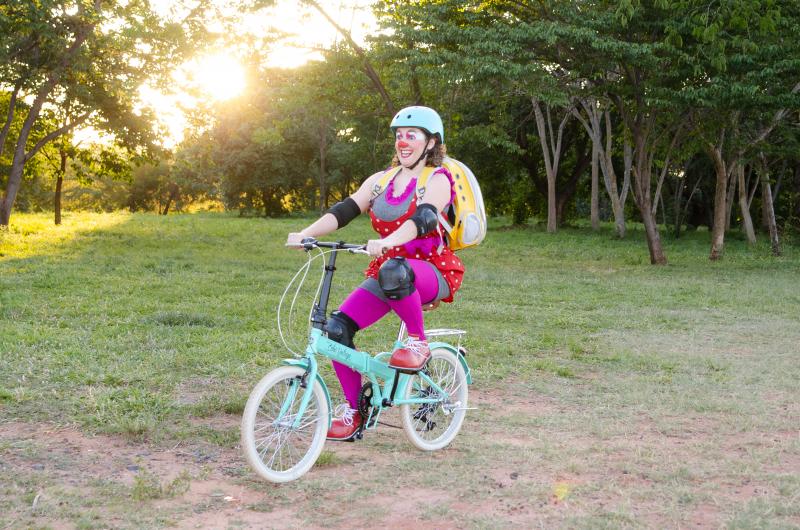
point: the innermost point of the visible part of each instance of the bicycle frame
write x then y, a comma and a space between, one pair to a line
373, 368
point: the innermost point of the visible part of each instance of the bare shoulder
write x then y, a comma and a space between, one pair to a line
372, 179
438, 190
363, 195
439, 180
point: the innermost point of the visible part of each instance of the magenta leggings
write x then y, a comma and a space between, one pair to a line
366, 308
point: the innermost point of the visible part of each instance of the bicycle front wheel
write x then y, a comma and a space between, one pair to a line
274, 447
431, 426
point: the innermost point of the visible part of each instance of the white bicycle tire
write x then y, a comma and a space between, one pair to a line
440, 357
318, 407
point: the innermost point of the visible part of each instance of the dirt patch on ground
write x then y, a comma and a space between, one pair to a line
517, 463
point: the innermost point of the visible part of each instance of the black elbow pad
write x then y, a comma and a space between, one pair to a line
426, 217
344, 211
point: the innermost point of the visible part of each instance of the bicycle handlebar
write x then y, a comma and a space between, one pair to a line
310, 243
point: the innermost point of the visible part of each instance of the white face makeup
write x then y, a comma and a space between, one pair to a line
409, 144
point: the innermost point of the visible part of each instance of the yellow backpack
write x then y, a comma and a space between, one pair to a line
465, 219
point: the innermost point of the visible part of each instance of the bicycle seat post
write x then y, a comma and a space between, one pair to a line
401, 332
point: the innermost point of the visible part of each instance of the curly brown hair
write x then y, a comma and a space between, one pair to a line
434, 159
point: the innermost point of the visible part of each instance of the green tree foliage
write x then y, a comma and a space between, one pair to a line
745, 79
35, 194
298, 139
690, 106
90, 57
656, 61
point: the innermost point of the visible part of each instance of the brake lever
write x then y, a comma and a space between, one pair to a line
308, 243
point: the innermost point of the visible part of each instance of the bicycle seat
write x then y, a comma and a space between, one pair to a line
431, 306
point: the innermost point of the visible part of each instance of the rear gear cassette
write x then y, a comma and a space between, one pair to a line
427, 410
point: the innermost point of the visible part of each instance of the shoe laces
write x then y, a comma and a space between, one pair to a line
416, 346
344, 413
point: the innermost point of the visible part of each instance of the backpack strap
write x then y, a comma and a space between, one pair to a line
422, 183
387, 176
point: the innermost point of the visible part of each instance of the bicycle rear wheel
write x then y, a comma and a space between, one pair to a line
275, 449
431, 426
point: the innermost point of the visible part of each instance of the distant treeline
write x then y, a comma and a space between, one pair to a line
671, 113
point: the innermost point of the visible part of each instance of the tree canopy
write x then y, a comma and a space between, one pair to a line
563, 109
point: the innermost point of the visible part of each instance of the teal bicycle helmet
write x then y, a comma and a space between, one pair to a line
424, 118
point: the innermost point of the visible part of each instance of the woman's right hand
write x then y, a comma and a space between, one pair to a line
294, 239
376, 247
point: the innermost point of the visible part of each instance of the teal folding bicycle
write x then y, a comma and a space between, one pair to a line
288, 413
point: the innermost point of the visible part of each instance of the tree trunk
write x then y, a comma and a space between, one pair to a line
567, 189
415, 87
764, 206
18, 162
264, 200
552, 209
642, 198
546, 135
618, 198
766, 192
323, 149
796, 209
168, 204
641, 195
12, 105
744, 205
62, 170
57, 201
12, 188
766, 198
595, 200
729, 197
594, 129
720, 210
678, 201
657, 256
619, 213
682, 213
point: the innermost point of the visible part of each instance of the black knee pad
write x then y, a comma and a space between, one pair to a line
396, 278
341, 328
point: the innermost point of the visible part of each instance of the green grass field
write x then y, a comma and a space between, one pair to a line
610, 393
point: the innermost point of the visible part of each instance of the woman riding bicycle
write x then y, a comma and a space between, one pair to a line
412, 265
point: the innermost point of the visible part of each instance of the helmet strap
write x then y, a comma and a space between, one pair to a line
425, 153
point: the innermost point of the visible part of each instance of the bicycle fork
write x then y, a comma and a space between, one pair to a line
304, 383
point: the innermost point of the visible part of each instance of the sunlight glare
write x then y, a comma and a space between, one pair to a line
219, 75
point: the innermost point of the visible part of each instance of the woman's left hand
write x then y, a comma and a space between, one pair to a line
376, 247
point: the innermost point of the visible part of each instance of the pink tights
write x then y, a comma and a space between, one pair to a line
365, 308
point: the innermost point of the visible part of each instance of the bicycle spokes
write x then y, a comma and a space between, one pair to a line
280, 444
436, 399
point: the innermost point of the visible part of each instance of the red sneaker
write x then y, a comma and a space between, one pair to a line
346, 424
412, 356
